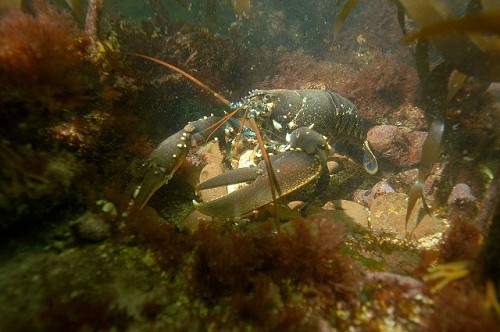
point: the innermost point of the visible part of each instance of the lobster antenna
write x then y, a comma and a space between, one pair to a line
272, 177
186, 75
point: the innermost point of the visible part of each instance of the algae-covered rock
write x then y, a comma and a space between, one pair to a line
32, 195
92, 227
388, 213
400, 145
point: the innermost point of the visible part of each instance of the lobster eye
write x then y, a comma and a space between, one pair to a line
266, 98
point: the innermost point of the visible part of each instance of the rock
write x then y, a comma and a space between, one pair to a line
400, 145
390, 283
382, 137
92, 227
393, 278
348, 211
366, 197
191, 222
53, 181
461, 195
402, 181
333, 167
461, 202
410, 116
295, 204
388, 214
416, 140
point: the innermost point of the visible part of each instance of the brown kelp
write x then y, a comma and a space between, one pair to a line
469, 45
241, 7
431, 152
476, 33
450, 36
459, 40
342, 15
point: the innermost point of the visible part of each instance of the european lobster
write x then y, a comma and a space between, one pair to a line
308, 119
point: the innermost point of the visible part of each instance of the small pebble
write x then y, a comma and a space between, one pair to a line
461, 203
92, 227
461, 195
366, 197
295, 204
333, 167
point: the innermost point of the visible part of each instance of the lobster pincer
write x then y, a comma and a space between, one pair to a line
303, 163
164, 161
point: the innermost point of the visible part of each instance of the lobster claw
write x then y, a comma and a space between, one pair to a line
293, 170
162, 164
171, 153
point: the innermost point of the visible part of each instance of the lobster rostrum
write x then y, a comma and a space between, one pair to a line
307, 119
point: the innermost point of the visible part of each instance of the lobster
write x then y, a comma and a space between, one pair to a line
310, 120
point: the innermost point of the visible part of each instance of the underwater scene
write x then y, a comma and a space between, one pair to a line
250, 165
